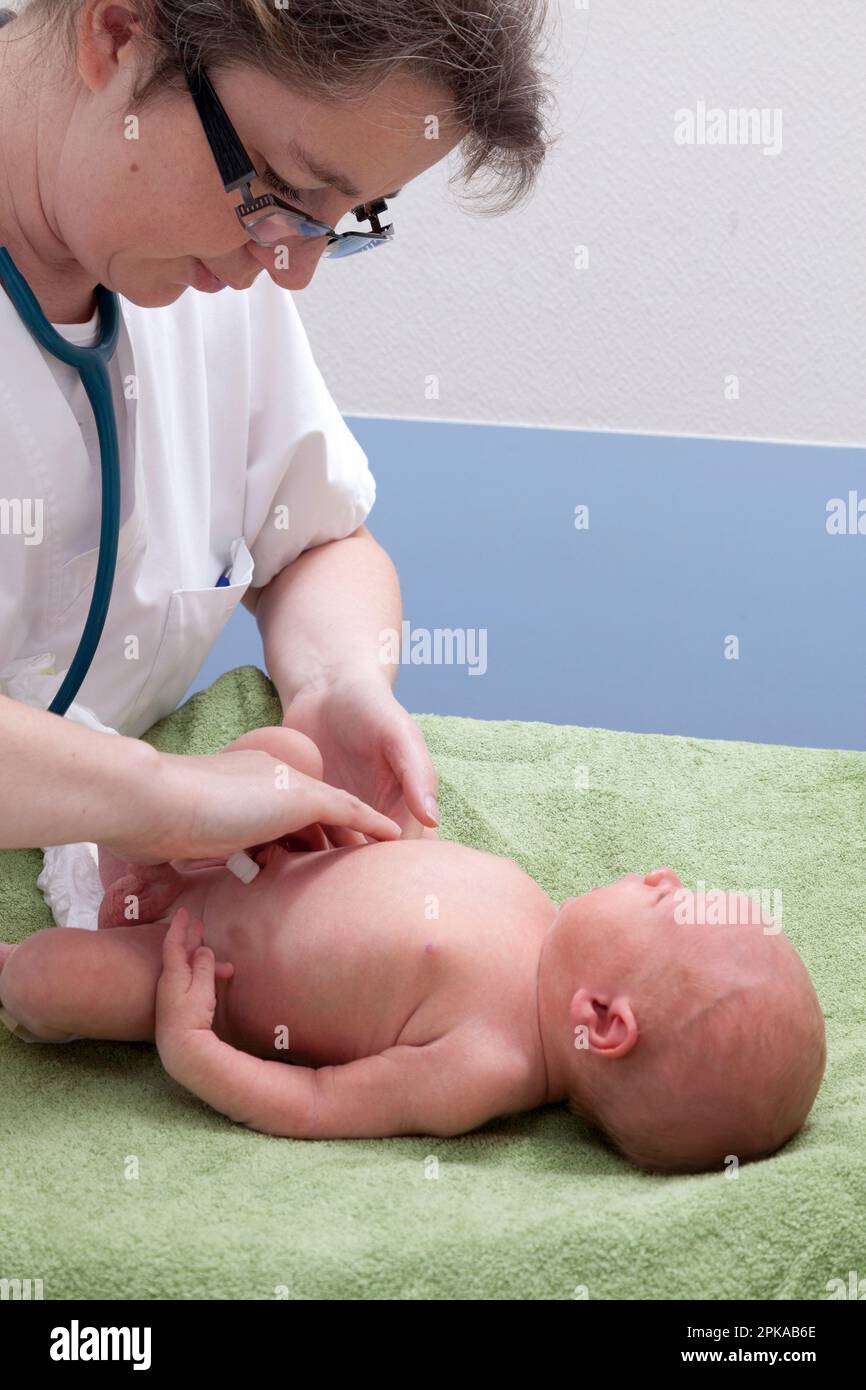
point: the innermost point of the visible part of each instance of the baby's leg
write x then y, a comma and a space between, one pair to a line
288, 745
96, 984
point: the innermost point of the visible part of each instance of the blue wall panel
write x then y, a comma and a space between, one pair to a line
623, 625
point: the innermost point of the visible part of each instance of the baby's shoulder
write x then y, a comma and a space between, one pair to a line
474, 1074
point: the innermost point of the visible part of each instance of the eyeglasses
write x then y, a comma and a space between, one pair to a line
255, 213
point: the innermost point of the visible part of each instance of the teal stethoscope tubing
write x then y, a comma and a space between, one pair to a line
92, 366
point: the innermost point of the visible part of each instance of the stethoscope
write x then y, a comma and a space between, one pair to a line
92, 366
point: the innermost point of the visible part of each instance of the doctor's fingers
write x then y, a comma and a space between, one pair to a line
316, 801
410, 761
340, 837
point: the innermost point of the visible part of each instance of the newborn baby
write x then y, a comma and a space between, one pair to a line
420, 987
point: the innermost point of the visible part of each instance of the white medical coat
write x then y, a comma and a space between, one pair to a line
232, 432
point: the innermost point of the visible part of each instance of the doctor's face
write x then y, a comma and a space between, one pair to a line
173, 215
143, 215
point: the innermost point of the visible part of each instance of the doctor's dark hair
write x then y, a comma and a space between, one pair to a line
485, 53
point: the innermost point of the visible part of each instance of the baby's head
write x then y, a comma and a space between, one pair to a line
686, 1029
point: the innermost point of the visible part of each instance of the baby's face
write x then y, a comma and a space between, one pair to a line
636, 901
705, 1009
644, 946
649, 911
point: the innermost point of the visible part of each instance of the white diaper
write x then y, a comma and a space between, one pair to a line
69, 880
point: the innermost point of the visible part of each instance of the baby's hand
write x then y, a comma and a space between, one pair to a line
186, 990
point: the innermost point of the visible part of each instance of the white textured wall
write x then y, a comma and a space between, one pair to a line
703, 261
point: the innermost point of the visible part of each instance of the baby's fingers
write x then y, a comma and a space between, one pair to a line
203, 973
175, 959
206, 969
205, 966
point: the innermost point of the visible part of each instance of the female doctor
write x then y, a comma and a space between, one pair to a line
239, 480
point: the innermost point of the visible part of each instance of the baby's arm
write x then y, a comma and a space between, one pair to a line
426, 1089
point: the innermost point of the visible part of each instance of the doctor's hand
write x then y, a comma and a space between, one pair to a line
371, 746
199, 806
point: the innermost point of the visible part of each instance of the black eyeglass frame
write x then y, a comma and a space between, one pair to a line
237, 171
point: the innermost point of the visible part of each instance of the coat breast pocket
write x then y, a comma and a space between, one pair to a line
194, 621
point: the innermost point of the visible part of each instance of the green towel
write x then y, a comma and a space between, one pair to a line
117, 1183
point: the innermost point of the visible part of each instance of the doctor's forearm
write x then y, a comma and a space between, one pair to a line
324, 614
61, 783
